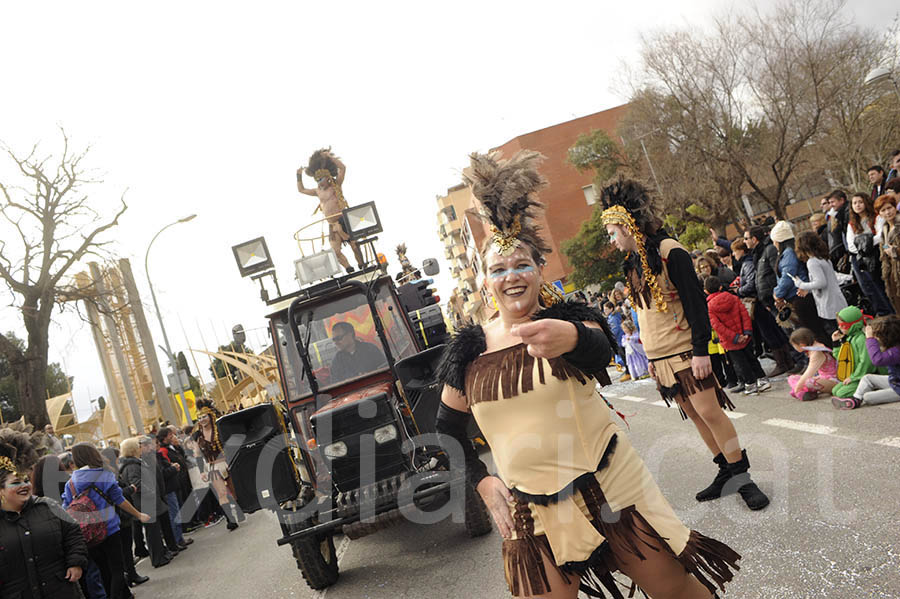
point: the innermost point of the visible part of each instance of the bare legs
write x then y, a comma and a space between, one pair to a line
714, 426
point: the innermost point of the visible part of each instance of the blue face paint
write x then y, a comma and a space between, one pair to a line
612, 234
499, 274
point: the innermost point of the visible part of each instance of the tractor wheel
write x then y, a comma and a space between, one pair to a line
478, 519
317, 560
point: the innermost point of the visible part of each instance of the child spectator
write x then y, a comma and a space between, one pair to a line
883, 345
634, 351
731, 321
851, 324
615, 317
820, 375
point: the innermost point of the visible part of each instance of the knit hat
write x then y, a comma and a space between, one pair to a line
782, 231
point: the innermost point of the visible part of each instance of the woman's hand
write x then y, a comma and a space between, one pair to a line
870, 332
73, 574
836, 336
497, 497
651, 369
802, 292
144, 518
547, 338
701, 366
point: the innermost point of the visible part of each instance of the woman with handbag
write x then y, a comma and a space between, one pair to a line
206, 438
861, 243
94, 481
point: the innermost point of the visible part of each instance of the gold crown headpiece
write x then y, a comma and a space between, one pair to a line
207, 410
506, 242
322, 173
619, 215
7, 464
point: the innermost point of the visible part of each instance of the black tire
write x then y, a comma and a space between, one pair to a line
317, 560
478, 519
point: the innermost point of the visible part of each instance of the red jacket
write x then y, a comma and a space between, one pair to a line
729, 318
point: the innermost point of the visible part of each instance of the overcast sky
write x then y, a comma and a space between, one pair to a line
210, 107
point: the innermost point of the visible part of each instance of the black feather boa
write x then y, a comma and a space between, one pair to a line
468, 343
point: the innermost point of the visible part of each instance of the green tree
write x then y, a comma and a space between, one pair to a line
598, 152
594, 259
56, 382
183, 365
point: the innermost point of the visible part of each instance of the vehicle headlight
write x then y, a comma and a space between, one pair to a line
335, 450
385, 434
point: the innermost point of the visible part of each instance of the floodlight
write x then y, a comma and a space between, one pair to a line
316, 267
361, 221
431, 267
877, 75
252, 256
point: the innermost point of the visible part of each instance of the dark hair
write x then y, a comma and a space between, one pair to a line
893, 184
758, 232
111, 456
712, 284
802, 337
837, 193
163, 433
85, 454
810, 245
894, 153
722, 252
713, 255
188, 429
856, 220
345, 326
886, 330
46, 467
608, 303
875, 168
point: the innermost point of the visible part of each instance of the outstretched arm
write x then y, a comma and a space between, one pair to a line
300, 188
342, 170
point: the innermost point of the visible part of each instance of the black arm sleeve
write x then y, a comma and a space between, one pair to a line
454, 423
683, 276
592, 352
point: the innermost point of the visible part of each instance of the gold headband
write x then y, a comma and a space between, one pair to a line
7, 464
322, 172
506, 242
207, 410
618, 215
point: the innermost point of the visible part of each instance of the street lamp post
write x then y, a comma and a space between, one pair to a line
881, 74
172, 362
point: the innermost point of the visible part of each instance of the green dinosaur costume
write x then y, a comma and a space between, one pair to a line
856, 337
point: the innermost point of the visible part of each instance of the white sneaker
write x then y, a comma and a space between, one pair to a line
763, 385
750, 389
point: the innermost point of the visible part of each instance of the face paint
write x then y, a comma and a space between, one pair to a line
499, 274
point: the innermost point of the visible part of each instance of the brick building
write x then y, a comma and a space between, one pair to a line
568, 200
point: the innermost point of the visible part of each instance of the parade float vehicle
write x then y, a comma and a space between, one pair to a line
357, 458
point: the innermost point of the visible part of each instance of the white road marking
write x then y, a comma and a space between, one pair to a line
632, 398
734, 415
890, 441
818, 429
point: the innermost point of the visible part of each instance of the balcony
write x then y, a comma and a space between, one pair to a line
458, 250
467, 274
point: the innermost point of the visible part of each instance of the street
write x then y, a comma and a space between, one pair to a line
832, 530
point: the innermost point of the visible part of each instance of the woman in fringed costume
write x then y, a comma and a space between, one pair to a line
674, 321
572, 499
207, 439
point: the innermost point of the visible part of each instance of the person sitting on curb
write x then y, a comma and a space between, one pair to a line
883, 345
852, 356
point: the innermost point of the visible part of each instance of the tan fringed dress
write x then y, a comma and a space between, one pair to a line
581, 491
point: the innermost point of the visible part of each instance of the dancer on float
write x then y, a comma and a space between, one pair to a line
328, 172
675, 330
571, 498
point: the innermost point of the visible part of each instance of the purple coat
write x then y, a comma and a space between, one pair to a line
889, 358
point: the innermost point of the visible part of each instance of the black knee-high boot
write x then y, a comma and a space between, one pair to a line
230, 515
714, 491
740, 482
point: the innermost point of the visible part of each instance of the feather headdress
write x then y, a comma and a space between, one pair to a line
205, 406
628, 203
507, 190
322, 160
17, 452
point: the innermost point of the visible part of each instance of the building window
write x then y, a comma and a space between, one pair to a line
451, 213
589, 196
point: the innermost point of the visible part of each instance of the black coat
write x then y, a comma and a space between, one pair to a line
37, 546
146, 482
766, 257
747, 270
178, 456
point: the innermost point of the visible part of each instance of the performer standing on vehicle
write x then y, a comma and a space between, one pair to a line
674, 321
328, 171
572, 499
206, 437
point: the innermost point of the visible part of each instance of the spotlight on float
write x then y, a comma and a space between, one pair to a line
361, 221
253, 260
317, 267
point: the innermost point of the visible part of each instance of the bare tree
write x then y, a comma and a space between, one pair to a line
50, 217
758, 94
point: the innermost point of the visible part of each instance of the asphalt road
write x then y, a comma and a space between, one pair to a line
832, 530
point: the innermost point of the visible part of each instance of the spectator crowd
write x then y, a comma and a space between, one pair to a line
819, 299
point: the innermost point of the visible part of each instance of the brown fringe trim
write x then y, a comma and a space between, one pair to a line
686, 385
522, 557
703, 556
507, 372
580, 483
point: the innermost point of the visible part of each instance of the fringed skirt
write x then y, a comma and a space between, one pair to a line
605, 515
675, 381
